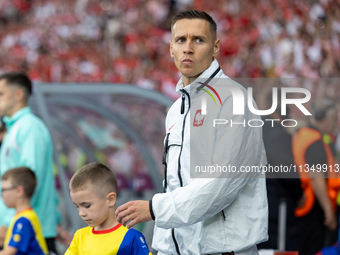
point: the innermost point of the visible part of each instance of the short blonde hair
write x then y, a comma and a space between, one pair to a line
97, 175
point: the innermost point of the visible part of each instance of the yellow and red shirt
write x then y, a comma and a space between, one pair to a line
115, 241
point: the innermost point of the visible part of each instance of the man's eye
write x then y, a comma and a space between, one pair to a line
87, 206
181, 40
199, 40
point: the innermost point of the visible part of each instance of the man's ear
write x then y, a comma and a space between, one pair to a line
111, 198
19, 94
171, 50
216, 47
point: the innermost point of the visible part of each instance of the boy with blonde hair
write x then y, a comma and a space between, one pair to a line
93, 190
24, 235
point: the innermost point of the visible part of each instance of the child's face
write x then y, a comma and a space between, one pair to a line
8, 193
93, 209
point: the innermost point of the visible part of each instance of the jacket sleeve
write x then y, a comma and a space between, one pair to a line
202, 198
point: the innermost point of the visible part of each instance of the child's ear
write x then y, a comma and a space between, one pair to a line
111, 198
20, 191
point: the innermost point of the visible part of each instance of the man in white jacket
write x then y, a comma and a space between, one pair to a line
227, 212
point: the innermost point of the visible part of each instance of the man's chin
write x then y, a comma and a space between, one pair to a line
3, 114
190, 75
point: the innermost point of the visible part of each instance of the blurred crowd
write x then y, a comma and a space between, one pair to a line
127, 41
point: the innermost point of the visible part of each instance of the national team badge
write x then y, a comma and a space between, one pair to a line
199, 118
19, 226
141, 238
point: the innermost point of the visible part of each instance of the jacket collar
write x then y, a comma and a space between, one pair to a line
9, 121
205, 75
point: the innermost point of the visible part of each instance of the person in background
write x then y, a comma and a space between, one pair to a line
317, 218
281, 186
28, 143
2, 131
24, 235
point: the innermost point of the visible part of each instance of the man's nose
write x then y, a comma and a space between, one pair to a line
188, 47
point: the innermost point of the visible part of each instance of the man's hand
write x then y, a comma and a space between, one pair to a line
63, 236
330, 220
319, 185
133, 211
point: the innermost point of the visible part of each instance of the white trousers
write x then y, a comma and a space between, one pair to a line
250, 251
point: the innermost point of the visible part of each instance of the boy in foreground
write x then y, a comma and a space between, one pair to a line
93, 190
24, 235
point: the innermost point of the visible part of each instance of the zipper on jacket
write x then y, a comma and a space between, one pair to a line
183, 128
180, 153
176, 244
182, 112
223, 215
183, 104
208, 80
166, 146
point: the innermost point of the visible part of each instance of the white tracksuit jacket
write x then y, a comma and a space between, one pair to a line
210, 215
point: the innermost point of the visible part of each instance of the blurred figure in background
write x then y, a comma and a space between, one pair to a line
280, 186
2, 131
24, 235
27, 142
317, 218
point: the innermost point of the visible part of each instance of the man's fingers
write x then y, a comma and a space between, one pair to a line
132, 223
127, 210
133, 212
121, 216
333, 225
130, 220
331, 222
122, 211
122, 208
127, 218
124, 221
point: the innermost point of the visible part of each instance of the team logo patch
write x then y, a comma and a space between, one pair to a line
16, 238
19, 226
199, 119
141, 238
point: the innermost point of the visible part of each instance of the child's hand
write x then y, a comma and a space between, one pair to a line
63, 236
133, 212
9, 251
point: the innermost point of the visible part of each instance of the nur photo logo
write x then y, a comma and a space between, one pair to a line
242, 100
